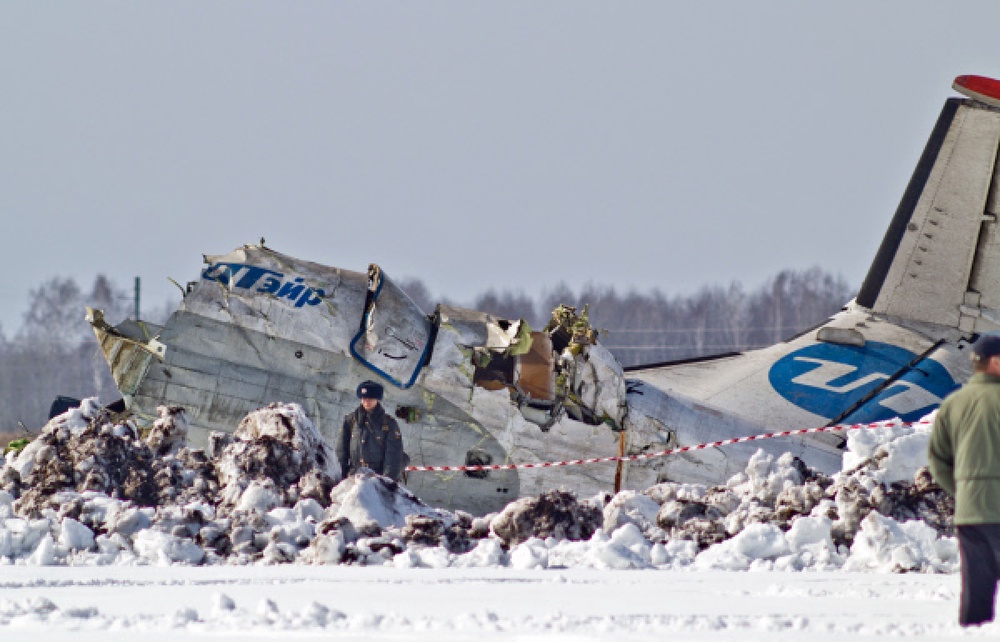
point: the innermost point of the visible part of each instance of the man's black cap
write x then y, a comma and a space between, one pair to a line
370, 390
987, 346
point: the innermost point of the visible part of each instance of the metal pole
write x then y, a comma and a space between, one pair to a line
620, 469
136, 298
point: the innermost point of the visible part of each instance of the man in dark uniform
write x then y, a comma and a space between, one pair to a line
370, 438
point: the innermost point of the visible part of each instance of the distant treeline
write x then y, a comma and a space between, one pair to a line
653, 327
54, 352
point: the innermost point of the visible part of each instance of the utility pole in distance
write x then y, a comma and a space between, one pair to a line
136, 298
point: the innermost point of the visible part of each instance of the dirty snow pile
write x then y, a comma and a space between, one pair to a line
91, 491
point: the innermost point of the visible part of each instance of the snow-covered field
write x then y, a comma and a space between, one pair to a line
383, 603
104, 535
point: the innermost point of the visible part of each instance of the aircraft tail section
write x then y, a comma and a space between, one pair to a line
900, 347
940, 256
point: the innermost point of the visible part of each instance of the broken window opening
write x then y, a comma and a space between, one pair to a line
394, 336
494, 371
531, 374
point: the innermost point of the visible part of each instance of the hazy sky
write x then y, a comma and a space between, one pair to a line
470, 144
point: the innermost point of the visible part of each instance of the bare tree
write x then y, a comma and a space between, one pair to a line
55, 351
419, 294
54, 318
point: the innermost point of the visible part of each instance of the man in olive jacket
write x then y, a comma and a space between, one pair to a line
370, 438
964, 457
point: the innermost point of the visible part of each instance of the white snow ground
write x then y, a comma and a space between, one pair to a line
384, 603
763, 583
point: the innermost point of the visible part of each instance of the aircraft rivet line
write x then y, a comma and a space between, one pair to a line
664, 453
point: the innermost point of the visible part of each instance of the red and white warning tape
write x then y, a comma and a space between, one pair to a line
663, 453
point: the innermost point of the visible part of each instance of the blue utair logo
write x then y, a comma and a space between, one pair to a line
826, 379
258, 279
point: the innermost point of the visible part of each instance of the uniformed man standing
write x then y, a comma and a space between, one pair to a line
370, 438
964, 455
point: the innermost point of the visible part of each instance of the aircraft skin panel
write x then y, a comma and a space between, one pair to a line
151, 394
196, 362
277, 295
247, 365
237, 388
221, 407
806, 383
930, 275
524, 442
280, 385
983, 299
396, 335
257, 289
584, 441
693, 422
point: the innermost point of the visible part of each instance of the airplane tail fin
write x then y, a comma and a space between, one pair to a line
939, 262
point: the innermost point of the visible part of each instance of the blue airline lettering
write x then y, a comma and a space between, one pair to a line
246, 277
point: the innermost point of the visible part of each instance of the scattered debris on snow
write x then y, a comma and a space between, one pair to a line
92, 491
554, 514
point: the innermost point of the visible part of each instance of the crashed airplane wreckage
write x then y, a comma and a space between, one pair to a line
469, 388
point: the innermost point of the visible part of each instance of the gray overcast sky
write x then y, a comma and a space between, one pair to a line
511, 144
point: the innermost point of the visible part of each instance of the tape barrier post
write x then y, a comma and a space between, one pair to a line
674, 451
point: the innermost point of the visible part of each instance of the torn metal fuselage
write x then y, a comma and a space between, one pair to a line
469, 388
261, 327
130, 348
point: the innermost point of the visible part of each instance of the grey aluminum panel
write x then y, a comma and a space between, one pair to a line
930, 274
193, 361
246, 374
223, 408
985, 279
247, 390
192, 399
280, 386
193, 379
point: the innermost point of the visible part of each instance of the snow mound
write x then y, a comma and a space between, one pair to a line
275, 457
556, 514
367, 498
91, 491
83, 451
